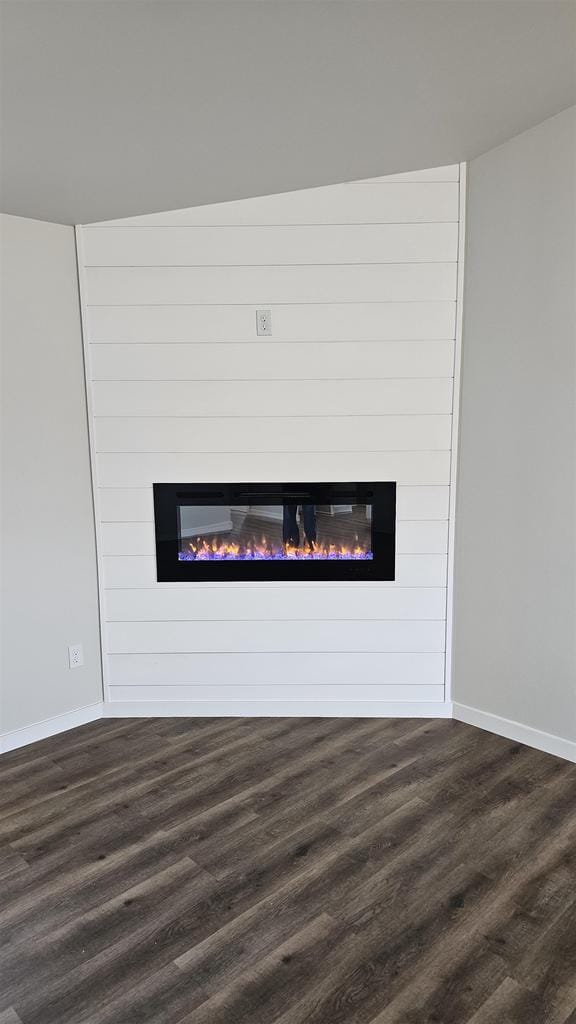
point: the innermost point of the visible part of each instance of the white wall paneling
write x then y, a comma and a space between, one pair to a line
134, 504
256, 694
270, 707
413, 396
355, 382
455, 446
277, 361
134, 469
263, 603
135, 571
345, 321
285, 245
268, 669
290, 635
181, 434
376, 282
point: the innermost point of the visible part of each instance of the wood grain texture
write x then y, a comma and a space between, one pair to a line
286, 871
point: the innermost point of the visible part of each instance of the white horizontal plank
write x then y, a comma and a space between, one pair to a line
272, 246
422, 502
127, 538
287, 692
134, 504
277, 361
125, 504
189, 637
449, 172
265, 286
141, 470
376, 321
136, 571
273, 434
272, 398
270, 708
421, 538
381, 202
138, 538
274, 669
262, 604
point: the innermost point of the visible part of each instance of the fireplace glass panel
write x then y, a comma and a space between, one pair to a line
288, 531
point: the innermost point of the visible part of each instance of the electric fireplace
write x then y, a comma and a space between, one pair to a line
288, 531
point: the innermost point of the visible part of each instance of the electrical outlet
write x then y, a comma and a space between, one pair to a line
75, 656
263, 322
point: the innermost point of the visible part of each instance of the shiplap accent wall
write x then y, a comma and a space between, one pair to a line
356, 382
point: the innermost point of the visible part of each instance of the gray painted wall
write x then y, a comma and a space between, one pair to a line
515, 621
49, 595
115, 109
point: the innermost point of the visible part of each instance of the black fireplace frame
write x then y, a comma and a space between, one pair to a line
380, 495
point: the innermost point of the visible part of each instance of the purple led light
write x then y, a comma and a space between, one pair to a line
272, 556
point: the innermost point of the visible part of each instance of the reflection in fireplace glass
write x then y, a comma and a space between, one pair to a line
286, 532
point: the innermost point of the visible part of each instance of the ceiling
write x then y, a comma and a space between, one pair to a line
119, 107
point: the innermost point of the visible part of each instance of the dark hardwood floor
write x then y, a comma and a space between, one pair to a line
286, 871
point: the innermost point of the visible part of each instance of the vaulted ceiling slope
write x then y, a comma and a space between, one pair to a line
112, 109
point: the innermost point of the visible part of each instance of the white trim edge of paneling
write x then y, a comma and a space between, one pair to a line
50, 727
80, 270
277, 709
512, 730
455, 442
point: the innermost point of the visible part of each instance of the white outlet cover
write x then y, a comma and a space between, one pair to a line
75, 655
263, 322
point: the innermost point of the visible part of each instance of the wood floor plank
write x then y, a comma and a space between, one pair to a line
10, 1016
286, 871
130, 912
262, 993
495, 1009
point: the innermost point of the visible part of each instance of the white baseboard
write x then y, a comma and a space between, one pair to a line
50, 727
277, 709
512, 730
545, 741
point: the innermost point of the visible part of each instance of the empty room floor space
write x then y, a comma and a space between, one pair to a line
286, 871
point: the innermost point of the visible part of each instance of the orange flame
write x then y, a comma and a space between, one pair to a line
203, 549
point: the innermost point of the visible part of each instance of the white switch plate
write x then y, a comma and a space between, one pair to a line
263, 322
75, 656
